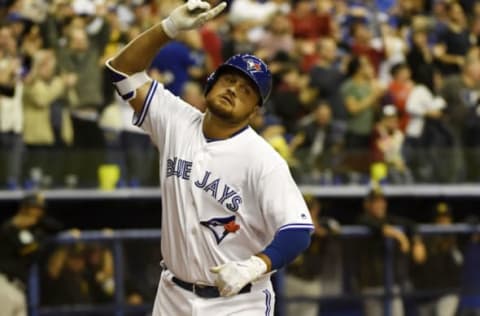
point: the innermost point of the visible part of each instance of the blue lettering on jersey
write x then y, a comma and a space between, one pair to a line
204, 180
236, 201
212, 186
179, 168
228, 193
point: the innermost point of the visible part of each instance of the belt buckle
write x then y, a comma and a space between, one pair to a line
196, 287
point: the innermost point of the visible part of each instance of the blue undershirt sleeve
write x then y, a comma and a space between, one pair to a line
286, 246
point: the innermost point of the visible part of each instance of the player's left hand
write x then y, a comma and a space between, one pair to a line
233, 276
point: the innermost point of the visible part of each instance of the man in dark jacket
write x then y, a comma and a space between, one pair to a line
371, 253
21, 239
440, 269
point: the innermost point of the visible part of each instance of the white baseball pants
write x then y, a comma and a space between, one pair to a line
172, 300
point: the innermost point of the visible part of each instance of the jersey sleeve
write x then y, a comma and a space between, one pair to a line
282, 203
162, 110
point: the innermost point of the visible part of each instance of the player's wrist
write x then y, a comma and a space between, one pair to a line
169, 27
265, 260
258, 266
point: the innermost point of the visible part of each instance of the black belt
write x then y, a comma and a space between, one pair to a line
205, 291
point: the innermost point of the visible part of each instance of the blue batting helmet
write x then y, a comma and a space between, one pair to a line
250, 65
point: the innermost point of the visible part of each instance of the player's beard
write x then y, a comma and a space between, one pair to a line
225, 113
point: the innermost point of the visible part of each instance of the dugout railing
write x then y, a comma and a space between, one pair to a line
120, 308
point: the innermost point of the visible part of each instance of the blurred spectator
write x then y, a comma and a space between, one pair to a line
46, 127
66, 281
21, 241
11, 114
399, 90
304, 274
321, 141
361, 94
364, 44
278, 37
395, 49
420, 57
429, 142
238, 41
453, 40
387, 144
462, 93
371, 253
180, 60
470, 286
439, 269
82, 56
310, 21
286, 99
99, 273
325, 77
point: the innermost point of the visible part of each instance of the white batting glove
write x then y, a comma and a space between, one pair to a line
189, 16
233, 276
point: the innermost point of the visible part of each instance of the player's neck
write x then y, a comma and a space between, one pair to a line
216, 128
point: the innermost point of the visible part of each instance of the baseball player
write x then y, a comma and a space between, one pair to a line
232, 213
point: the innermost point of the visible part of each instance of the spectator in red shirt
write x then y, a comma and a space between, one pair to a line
308, 23
399, 90
363, 45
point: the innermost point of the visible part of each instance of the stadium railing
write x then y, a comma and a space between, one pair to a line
120, 308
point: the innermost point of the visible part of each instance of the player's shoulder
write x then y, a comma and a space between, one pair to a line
263, 152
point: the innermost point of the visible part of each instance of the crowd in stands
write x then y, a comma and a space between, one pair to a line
382, 89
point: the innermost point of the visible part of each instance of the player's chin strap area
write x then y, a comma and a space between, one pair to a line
127, 85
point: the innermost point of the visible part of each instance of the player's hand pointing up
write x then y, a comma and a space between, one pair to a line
190, 15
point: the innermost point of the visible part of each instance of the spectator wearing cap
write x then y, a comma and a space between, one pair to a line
439, 269
370, 252
387, 144
21, 239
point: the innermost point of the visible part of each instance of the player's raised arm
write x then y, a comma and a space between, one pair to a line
129, 65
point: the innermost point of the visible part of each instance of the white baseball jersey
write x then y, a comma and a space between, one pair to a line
222, 200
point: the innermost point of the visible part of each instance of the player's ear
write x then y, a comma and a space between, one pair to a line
255, 111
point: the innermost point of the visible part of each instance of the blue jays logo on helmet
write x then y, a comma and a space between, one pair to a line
253, 67
221, 227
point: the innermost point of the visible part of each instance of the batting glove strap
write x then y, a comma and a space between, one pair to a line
127, 85
189, 16
233, 276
